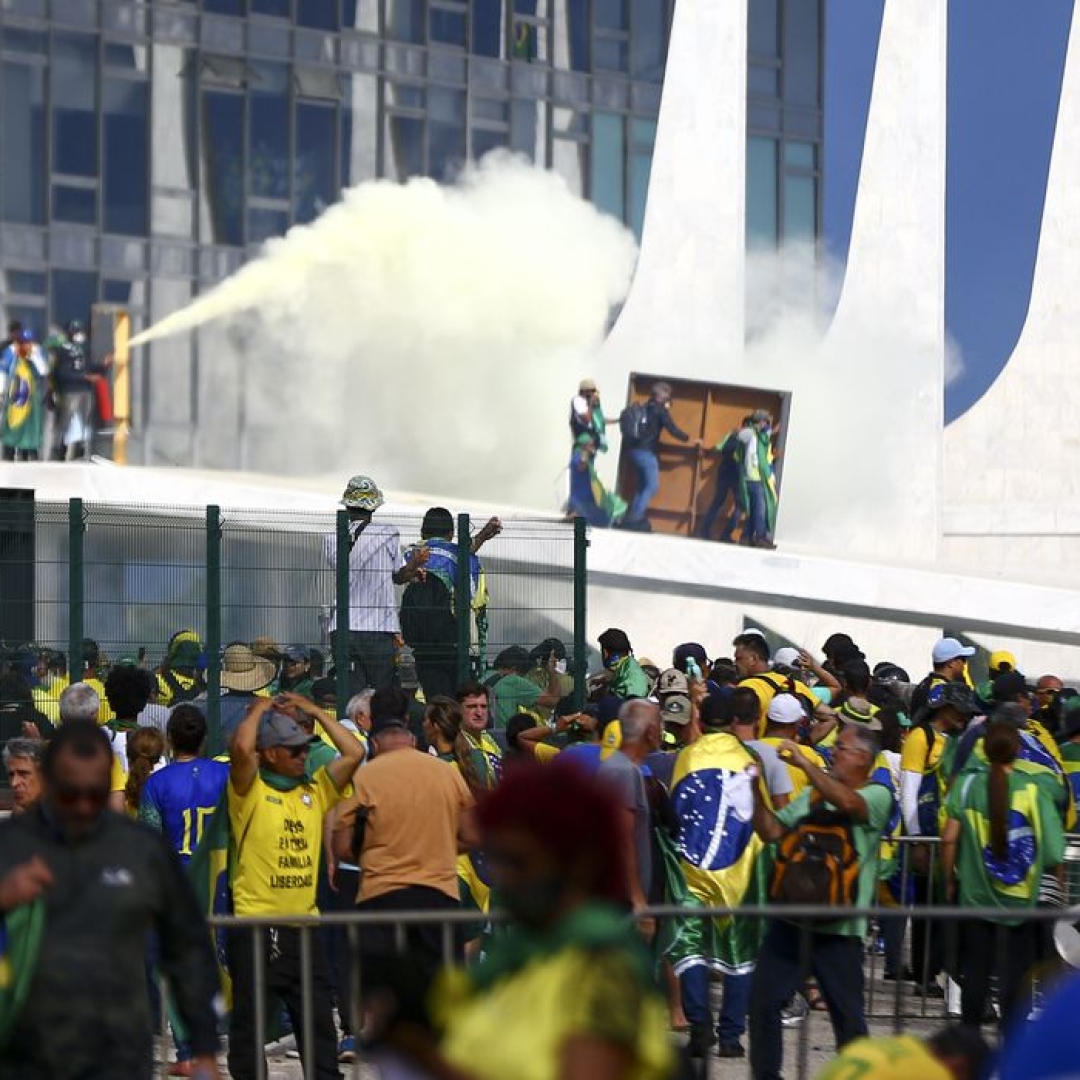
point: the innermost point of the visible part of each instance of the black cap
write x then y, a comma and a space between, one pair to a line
960, 697
615, 641
1011, 684
717, 710
887, 671
513, 657
688, 649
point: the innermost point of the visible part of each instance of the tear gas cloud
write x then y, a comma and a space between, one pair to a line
429, 335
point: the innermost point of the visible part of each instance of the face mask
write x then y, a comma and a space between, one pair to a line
612, 660
534, 902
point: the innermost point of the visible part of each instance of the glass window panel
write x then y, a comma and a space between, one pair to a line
115, 291
447, 27
527, 127
223, 158
484, 141
407, 96
75, 205
127, 164
799, 155
30, 316
320, 14
800, 208
268, 144
611, 14
264, 223
119, 54
22, 143
648, 43
609, 164
73, 75
315, 169
640, 171
73, 294
224, 7
610, 55
487, 27
526, 7
24, 42
763, 81
495, 109
405, 20
27, 282
763, 27
406, 156
446, 133
278, 8
802, 44
576, 37
761, 160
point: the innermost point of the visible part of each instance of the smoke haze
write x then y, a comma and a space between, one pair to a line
429, 335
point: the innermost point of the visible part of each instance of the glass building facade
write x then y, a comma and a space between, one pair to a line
148, 148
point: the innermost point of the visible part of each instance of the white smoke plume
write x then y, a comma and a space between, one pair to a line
429, 335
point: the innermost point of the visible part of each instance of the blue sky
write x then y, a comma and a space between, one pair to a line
1005, 66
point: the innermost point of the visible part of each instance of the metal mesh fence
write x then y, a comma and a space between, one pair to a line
90, 585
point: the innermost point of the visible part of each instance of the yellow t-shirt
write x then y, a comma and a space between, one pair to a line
117, 775
766, 686
165, 691
278, 839
545, 752
916, 756
47, 696
799, 779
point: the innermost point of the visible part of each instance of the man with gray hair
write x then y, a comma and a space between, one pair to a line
642, 733
79, 701
846, 795
22, 760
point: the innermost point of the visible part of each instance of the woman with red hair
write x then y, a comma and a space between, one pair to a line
565, 992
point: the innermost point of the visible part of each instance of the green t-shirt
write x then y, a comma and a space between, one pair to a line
630, 680
319, 754
1036, 841
867, 836
513, 694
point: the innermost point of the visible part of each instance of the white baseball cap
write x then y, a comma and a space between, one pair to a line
787, 657
949, 648
786, 709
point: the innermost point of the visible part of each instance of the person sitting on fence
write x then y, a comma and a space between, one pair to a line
847, 811
1002, 833
372, 622
296, 677
276, 818
22, 761
428, 613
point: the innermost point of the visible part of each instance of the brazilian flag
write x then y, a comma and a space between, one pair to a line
20, 942
722, 858
23, 419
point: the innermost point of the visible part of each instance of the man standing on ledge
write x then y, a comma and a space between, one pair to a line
372, 622
276, 816
642, 425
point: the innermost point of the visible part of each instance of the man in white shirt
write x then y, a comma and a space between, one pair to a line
374, 557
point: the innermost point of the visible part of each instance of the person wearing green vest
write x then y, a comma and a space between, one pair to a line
757, 492
1002, 832
628, 678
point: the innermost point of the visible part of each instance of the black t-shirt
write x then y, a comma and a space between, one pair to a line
657, 419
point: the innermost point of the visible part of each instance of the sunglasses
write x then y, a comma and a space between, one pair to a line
296, 751
70, 794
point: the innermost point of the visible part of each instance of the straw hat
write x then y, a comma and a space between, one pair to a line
243, 671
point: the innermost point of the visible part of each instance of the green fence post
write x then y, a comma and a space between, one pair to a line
581, 547
463, 597
76, 532
213, 626
343, 676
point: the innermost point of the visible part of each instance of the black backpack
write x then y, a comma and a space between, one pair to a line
179, 693
427, 617
634, 422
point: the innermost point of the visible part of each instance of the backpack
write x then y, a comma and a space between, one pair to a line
427, 616
816, 861
634, 422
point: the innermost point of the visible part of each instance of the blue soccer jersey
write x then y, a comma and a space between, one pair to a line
179, 799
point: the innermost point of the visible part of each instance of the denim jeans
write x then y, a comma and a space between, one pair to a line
759, 528
733, 1008
834, 959
648, 482
727, 484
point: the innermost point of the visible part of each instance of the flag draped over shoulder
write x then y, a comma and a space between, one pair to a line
720, 854
22, 421
20, 941
209, 873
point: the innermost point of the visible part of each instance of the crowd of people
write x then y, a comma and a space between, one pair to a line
53, 395
745, 492
553, 814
